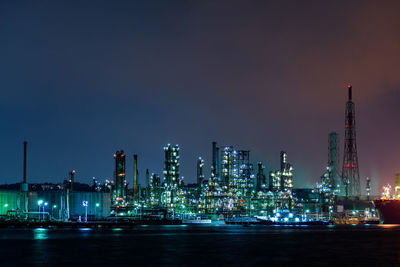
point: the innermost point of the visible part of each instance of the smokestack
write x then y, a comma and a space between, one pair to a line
25, 151
71, 180
24, 185
135, 174
350, 94
215, 160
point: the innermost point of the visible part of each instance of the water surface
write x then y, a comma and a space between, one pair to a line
225, 245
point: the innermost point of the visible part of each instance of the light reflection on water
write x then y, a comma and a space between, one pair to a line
388, 225
85, 229
40, 234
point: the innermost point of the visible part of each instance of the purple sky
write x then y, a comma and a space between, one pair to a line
82, 80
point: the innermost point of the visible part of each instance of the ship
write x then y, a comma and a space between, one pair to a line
389, 210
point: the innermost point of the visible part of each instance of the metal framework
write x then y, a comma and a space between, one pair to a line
171, 174
350, 171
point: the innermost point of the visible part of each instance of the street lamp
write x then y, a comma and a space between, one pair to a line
97, 205
85, 204
52, 210
45, 205
39, 203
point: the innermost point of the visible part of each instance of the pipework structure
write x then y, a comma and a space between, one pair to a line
350, 170
244, 181
171, 174
286, 174
329, 186
333, 163
200, 173
155, 190
281, 182
229, 167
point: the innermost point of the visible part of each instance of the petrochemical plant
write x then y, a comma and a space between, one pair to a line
234, 191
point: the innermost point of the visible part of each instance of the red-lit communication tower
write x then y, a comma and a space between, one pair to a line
350, 172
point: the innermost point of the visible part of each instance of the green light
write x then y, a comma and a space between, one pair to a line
40, 234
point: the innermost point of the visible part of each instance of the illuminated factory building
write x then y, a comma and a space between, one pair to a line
172, 181
232, 187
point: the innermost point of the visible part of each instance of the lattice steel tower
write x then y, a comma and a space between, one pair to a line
350, 172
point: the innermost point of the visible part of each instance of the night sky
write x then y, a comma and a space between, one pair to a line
81, 80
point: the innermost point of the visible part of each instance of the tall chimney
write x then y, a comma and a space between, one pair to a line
135, 173
25, 151
71, 180
24, 185
215, 159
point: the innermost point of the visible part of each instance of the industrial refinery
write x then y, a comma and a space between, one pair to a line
236, 191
